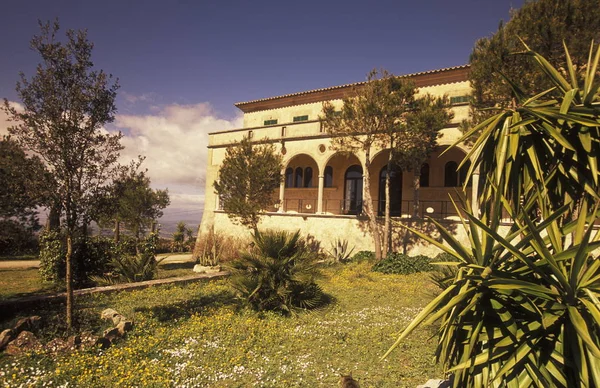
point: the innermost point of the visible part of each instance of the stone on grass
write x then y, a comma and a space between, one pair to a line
5, 337
112, 334
103, 342
435, 383
58, 345
26, 342
27, 324
87, 340
112, 315
199, 268
124, 326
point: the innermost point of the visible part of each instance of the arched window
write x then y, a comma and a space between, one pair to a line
424, 179
353, 190
289, 177
451, 174
328, 176
308, 175
395, 191
298, 177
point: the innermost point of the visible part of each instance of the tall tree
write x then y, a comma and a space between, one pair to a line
543, 25
66, 103
367, 115
24, 185
130, 200
247, 177
417, 137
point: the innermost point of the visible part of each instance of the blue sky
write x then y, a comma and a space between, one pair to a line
183, 64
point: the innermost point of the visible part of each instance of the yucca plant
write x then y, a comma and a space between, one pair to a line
523, 309
278, 274
339, 252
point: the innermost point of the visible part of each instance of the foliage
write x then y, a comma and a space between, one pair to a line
247, 177
130, 268
180, 242
131, 200
544, 25
199, 338
339, 252
444, 271
523, 308
65, 106
417, 137
213, 248
24, 181
278, 274
91, 257
401, 264
363, 255
17, 238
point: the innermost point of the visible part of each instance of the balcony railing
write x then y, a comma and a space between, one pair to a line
439, 209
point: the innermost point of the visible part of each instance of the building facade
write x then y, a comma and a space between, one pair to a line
322, 189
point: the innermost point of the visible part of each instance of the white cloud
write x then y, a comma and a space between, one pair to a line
174, 141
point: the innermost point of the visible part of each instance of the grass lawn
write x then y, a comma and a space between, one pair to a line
199, 335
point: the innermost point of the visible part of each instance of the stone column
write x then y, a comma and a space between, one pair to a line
320, 195
281, 195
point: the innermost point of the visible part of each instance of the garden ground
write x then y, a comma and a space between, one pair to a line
199, 335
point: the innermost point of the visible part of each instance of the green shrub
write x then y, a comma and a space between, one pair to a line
363, 255
278, 274
215, 247
90, 258
401, 264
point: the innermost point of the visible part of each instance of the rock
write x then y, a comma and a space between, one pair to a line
113, 315
87, 340
434, 383
198, 268
104, 343
58, 345
124, 327
5, 337
27, 324
26, 342
112, 334
74, 341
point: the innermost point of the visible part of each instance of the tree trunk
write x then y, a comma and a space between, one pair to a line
368, 206
69, 279
416, 187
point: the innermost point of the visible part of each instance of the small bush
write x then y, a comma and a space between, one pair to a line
278, 274
339, 251
90, 257
398, 263
214, 248
363, 255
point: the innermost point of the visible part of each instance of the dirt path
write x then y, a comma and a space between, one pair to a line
169, 258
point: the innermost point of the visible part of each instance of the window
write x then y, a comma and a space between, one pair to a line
250, 134
283, 131
424, 179
298, 178
300, 118
459, 100
328, 176
289, 177
308, 175
451, 174
271, 122
353, 190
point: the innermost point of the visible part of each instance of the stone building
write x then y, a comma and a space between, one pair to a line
321, 193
